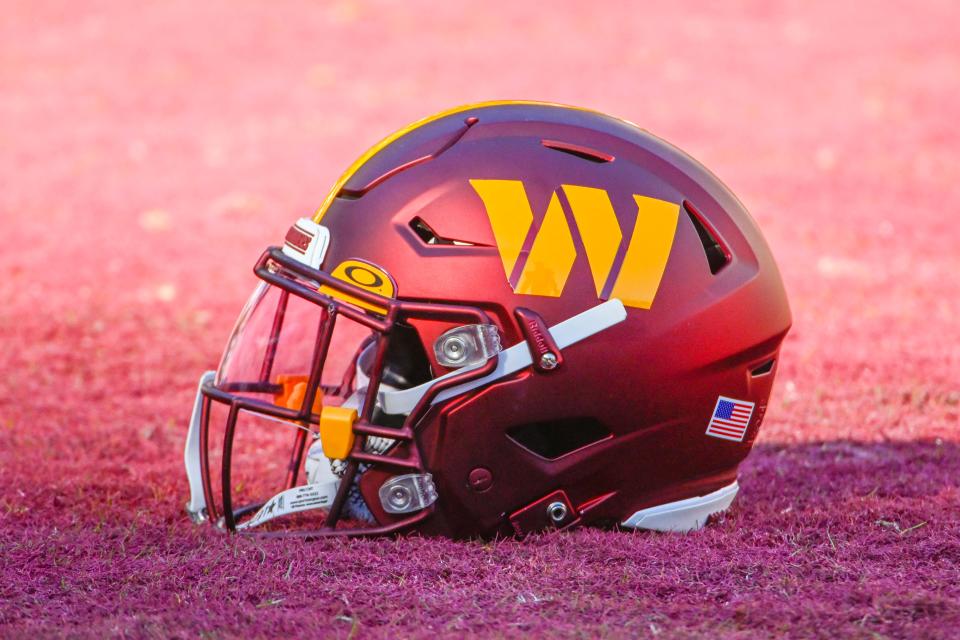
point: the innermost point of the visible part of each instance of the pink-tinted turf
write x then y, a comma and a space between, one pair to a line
148, 153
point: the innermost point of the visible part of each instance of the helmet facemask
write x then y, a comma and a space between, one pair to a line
301, 381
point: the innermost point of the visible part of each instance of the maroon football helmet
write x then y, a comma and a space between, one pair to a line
504, 318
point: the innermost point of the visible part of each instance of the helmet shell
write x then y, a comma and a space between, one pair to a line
640, 394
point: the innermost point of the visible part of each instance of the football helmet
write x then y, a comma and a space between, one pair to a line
504, 318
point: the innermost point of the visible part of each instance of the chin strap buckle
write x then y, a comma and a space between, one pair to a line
197, 517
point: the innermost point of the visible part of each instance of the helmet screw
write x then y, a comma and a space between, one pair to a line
480, 479
557, 511
400, 497
548, 361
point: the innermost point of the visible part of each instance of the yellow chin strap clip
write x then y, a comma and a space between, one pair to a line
336, 431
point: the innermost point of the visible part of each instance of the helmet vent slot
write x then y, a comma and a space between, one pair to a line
763, 369
429, 236
718, 255
557, 438
584, 153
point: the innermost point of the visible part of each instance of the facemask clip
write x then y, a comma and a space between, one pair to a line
406, 493
471, 344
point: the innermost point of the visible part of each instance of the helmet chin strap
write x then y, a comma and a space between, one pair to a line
302, 498
197, 506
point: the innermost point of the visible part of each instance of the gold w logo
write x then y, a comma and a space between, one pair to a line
553, 253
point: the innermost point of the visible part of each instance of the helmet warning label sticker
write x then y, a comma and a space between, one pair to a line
365, 275
730, 419
303, 498
551, 255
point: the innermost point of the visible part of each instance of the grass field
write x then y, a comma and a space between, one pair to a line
149, 153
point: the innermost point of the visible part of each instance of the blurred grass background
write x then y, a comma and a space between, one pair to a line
148, 152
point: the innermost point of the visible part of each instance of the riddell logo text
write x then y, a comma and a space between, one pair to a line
552, 253
537, 337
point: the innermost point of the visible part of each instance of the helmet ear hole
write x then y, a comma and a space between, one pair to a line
557, 438
406, 364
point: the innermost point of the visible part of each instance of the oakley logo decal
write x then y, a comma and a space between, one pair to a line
365, 275
552, 252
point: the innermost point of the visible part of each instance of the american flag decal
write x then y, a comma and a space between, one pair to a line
730, 419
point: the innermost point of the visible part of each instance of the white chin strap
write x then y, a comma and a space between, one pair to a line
197, 507
302, 498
